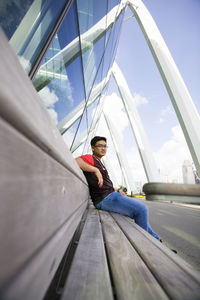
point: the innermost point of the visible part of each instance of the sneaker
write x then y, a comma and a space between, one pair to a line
174, 251
170, 249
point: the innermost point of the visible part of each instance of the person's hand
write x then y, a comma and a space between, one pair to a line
99, 177
122, 192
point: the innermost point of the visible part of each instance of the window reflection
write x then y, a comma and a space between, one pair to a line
109, 55
112, 3
12, 14
27, 24
60, 76
92, 114
90, 13
59, 81
94, 70
91, 62
95, 19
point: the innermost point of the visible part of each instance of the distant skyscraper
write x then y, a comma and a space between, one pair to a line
188, 174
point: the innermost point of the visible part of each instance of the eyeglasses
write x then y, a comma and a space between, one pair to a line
101, 146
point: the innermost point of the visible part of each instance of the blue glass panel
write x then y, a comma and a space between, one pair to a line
112, 3
99, 74
90, 12
109, 55
91, 112
28, 24
91, 62
11, 15
92, 43
60, 78
106, 60
98, 78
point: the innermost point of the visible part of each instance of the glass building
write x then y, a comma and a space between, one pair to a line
67, 51
78, 58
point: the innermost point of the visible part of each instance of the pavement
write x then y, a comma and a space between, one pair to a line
178, 225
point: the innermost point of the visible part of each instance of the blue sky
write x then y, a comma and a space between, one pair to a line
179, 24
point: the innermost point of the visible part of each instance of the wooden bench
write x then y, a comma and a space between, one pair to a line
116, 259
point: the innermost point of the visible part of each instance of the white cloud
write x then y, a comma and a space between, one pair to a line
139, 100
49, 98
169, 158
53, 114
114, 108
161, 120
171, 155
25, 63
133, 163
165, 113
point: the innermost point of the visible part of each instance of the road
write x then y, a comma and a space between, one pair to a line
179, 228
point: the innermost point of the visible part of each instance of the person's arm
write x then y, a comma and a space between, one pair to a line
88, 168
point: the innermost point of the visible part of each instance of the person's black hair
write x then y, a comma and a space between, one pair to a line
96, 139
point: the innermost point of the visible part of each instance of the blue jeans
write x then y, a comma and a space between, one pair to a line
130, 207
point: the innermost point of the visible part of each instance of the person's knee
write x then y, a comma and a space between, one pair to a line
143, 209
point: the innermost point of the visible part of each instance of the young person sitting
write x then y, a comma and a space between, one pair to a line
102, 192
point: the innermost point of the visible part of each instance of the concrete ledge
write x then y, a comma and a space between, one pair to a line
188, 193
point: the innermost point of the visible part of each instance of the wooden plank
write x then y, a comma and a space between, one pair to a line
88, 277
175, 276
132, 279
175, 258
22, 107
38, 200
33, 279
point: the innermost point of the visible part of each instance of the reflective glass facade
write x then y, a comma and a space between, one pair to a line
27, 24
71, 79
77, 60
